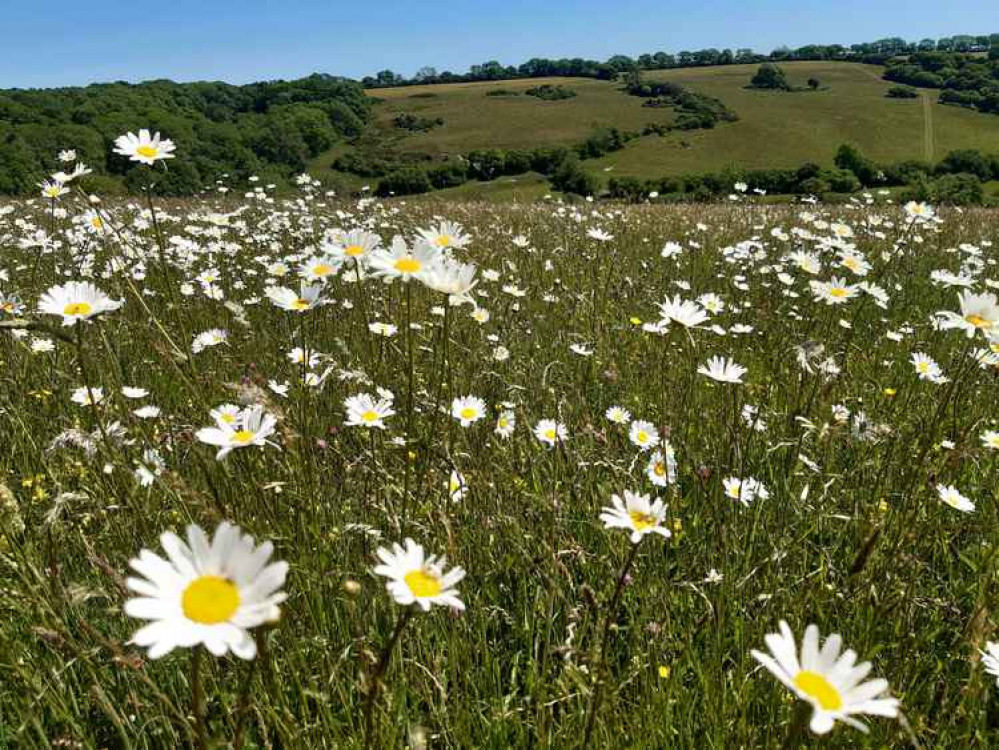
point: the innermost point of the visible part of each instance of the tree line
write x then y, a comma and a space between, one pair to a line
269, 129
877, 52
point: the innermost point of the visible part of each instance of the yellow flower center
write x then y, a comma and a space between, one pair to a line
468, 412
210, 600
641, 521
978, 321
369, 416
322, 269
658, 469
444, 240
550, 433
353, 250
423, 584
243, 436
643, 436
838, 292
408, 265
149, 152
816, 686
97, 222
300, 304
227, 418
77, 308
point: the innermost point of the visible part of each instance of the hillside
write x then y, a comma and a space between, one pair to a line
774, 130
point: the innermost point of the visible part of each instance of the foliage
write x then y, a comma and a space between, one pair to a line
550, 92
966, 80
902, 92
770, 76
221, 129
415, 123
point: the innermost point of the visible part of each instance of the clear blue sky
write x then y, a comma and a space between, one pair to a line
73, 42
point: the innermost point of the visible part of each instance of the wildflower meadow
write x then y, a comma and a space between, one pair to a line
286, 470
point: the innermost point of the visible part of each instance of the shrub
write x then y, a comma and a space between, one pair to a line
902, 92
570, 177
769, 76
408, 181
551, 93
415, 123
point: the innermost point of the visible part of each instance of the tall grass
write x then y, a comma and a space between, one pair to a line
852, 537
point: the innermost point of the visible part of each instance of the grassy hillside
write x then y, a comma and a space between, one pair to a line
775, 129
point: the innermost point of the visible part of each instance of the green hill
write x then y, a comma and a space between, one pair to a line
775, 129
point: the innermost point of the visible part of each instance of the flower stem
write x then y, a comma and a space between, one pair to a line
609, 617
379, 672
198, 700
799, 720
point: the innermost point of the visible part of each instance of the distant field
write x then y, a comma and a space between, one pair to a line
776, 129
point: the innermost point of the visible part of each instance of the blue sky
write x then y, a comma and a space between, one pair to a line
73, 42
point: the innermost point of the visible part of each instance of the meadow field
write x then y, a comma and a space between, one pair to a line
775, 129
644, 437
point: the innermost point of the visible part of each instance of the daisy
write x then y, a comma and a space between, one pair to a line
129, 391
355, 246
207, 592
400, 263
618, 415
979, 312
643, 434
446, 235
636, 514
364, 411
550, 432
307, 299
227, 415
834, 292
831, 682
950, 496
468, 409
453, 278
990, 439
383, 329
86, 396
723, 370
745, 490
53, 189
254, 427
990, 658
206, 339
918, 212
456, 487
505, 424
415, 578
75, 301
684, 312
317, 270
143, 148
926, 367
661, 469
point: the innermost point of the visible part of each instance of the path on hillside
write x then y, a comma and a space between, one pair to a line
927, 125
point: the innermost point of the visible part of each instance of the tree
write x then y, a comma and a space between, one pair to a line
769, 76
570, 177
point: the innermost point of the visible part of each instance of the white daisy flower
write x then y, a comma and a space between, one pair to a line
418, 579
637, 514
207, 593
75, 301
831, 682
